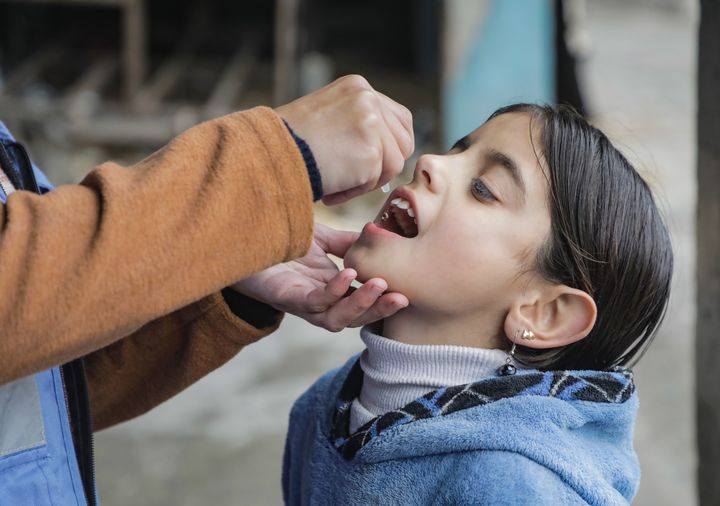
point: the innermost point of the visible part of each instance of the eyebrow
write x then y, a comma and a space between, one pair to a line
463, 143
495, 157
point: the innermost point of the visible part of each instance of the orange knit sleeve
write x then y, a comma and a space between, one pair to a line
85, 265
138, 372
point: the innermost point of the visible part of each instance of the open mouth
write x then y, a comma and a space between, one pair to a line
398, 217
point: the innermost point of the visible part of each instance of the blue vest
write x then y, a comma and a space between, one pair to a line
38, 460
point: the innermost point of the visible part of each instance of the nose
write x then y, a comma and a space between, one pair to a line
429, 172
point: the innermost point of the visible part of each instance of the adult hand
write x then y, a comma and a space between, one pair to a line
360, 138
314, 289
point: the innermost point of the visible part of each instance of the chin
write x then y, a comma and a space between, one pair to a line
368, 264
354, 260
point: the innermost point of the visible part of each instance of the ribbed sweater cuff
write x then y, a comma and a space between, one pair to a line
254, 312
310, 163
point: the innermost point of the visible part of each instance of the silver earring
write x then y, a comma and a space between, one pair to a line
527, 335
385, 216
508, 369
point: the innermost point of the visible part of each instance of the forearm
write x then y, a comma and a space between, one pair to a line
88, 264
135, 374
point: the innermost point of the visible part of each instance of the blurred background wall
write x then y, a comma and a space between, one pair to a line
82, 81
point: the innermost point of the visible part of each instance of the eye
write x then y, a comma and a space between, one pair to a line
480, 191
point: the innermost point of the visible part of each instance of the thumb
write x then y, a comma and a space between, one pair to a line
335, 242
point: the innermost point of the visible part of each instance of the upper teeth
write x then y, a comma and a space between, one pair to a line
403, 204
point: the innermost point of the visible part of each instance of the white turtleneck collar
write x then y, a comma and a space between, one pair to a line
396, 374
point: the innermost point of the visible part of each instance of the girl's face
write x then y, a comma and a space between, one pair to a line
480, 216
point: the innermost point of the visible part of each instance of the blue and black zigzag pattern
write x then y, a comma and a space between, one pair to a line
606, 387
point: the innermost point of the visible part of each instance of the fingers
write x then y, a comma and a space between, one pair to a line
381, 156
392, 156
343, 196
397, 141
387, 305
320, 299
366, 304
401, 124
350, 308
337, 305
335, 242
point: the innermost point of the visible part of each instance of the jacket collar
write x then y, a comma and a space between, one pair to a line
600, 387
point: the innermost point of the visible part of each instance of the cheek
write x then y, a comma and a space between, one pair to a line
471, 265
461, 244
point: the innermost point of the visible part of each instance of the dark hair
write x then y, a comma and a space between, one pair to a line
607, 238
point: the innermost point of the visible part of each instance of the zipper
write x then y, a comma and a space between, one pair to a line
72, 374
8, 167
77, 402
26, 170
5, 184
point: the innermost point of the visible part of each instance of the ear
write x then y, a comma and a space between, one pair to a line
557, 314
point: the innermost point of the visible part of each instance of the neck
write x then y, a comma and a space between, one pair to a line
412, 326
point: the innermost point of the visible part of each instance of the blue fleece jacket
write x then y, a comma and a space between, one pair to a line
560, 438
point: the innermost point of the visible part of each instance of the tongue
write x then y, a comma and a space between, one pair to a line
406, 225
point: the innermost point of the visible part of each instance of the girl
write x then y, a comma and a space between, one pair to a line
537, 267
